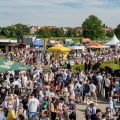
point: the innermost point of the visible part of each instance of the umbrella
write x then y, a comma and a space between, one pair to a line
7, 65
97, 45
59, 48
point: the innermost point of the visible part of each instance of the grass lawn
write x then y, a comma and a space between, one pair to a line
110, 64
2, 38
75, 39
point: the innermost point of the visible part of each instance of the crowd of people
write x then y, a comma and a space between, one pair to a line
52, 90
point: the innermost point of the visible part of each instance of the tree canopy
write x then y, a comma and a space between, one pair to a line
14, 31
117, 31
92, 28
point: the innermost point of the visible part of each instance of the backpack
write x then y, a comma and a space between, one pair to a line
77, 89
46, 105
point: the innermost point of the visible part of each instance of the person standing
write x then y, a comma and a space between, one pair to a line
60, 108
52, 109
33, 104
86, 91
16, 103
78, 92
107, 87
93, 92
97, 115
11, 113
99, 79
72, 108
2, 117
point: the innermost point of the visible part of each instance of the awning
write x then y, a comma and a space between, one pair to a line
96, 45
6, 65
59, 48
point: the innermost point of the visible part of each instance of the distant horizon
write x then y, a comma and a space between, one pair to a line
48, 25
60, 13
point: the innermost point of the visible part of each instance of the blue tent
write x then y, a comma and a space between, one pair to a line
38, 43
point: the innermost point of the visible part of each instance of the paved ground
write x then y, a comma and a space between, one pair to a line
81, 109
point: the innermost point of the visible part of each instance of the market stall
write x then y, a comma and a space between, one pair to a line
113, 42
78, 48
59, 48
97, 45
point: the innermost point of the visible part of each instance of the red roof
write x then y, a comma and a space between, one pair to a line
86, 40
95, 44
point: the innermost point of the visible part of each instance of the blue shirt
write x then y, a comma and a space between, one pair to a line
2, 117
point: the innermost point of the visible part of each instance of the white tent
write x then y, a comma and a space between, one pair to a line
78, 48
113, 42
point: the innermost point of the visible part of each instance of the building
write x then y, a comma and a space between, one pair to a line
33, 29
107, 29
4, 44
48, 27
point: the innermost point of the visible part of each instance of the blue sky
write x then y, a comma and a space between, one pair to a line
58, 12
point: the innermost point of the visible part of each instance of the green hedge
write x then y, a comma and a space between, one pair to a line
78, 67
110, 64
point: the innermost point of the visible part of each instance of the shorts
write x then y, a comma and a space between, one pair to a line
87, 94
80, 94
93, 94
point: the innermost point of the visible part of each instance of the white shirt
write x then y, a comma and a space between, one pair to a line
7, 83
107, 82
81, 77
71, 87
17, 82
33, 103
99, 77
24, 80
78, 85
92, 87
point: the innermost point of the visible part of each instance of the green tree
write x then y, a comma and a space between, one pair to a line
109, 34
117, 31
92, 27
44, 33
17, 30
77, 32
70, 32
22, 28
0, 31
53, 32
6, 32
58, 32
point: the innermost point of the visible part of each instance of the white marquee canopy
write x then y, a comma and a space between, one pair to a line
113, 42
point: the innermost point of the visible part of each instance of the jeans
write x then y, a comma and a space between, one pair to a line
72, 116
32, 115
53, 116
114, 104
107, 90
5, 112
